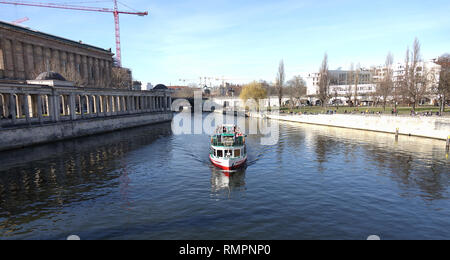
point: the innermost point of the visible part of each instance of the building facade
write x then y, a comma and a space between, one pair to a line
342, 82
25, 53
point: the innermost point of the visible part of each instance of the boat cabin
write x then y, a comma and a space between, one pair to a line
228, 142
222, 152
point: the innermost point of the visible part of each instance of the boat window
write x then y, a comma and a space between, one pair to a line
237, 153
228, 153
219, 153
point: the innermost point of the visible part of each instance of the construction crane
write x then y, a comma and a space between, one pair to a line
114, 11
21, 20
224, 80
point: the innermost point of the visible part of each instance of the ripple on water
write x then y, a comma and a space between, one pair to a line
146, 183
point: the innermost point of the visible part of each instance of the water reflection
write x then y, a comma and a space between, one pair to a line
147, 183
409, 161
38, 182
227, 182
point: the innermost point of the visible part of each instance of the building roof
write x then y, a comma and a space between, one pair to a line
160, 86
50, 75
177, 87
50, 36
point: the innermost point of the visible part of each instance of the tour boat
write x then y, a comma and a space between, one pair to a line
228, 149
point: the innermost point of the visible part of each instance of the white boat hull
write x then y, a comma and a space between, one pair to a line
228, 163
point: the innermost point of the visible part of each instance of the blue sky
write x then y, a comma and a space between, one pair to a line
245, 40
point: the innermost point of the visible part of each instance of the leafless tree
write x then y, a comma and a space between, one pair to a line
121, 78
386, 86
72, 74
324, 81
297, 89
185, 92
442, 89
356, 83
415, 80
281, 77
349, 89
336, 95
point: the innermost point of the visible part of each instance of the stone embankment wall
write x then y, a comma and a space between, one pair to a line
25, 136
36, 114
429, 127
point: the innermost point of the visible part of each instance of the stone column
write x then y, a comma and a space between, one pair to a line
2, 103
26, 107
147, 104
63, 103
46, 52
123, 104
97, 105
8, 58
102, 78
73, 115
110, 106
90, 63
64, 63
29, 61
165, 102
153, 104
90, 105
54, 106
12, 107
55, 61
34, 105
104, 106
19, 68
38, 58
82, 103
96, 72
84, 69
129, 107
115, 105
156, 104
2, 62
71, 63
39, 108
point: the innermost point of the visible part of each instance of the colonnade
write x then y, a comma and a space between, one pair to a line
41, 104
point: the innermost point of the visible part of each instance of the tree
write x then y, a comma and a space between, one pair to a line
336, 95
349, 89
324, 82
72, 74
356, 82
385, 88
442, 89
121, 78
415, 80
296, 89
281, 77
254, 91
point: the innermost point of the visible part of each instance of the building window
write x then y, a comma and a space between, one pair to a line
2, 63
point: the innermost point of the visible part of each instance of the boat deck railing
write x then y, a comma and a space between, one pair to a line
227, 144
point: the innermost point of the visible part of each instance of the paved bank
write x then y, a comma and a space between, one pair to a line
429, 127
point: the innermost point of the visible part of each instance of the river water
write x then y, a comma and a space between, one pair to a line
149, 183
